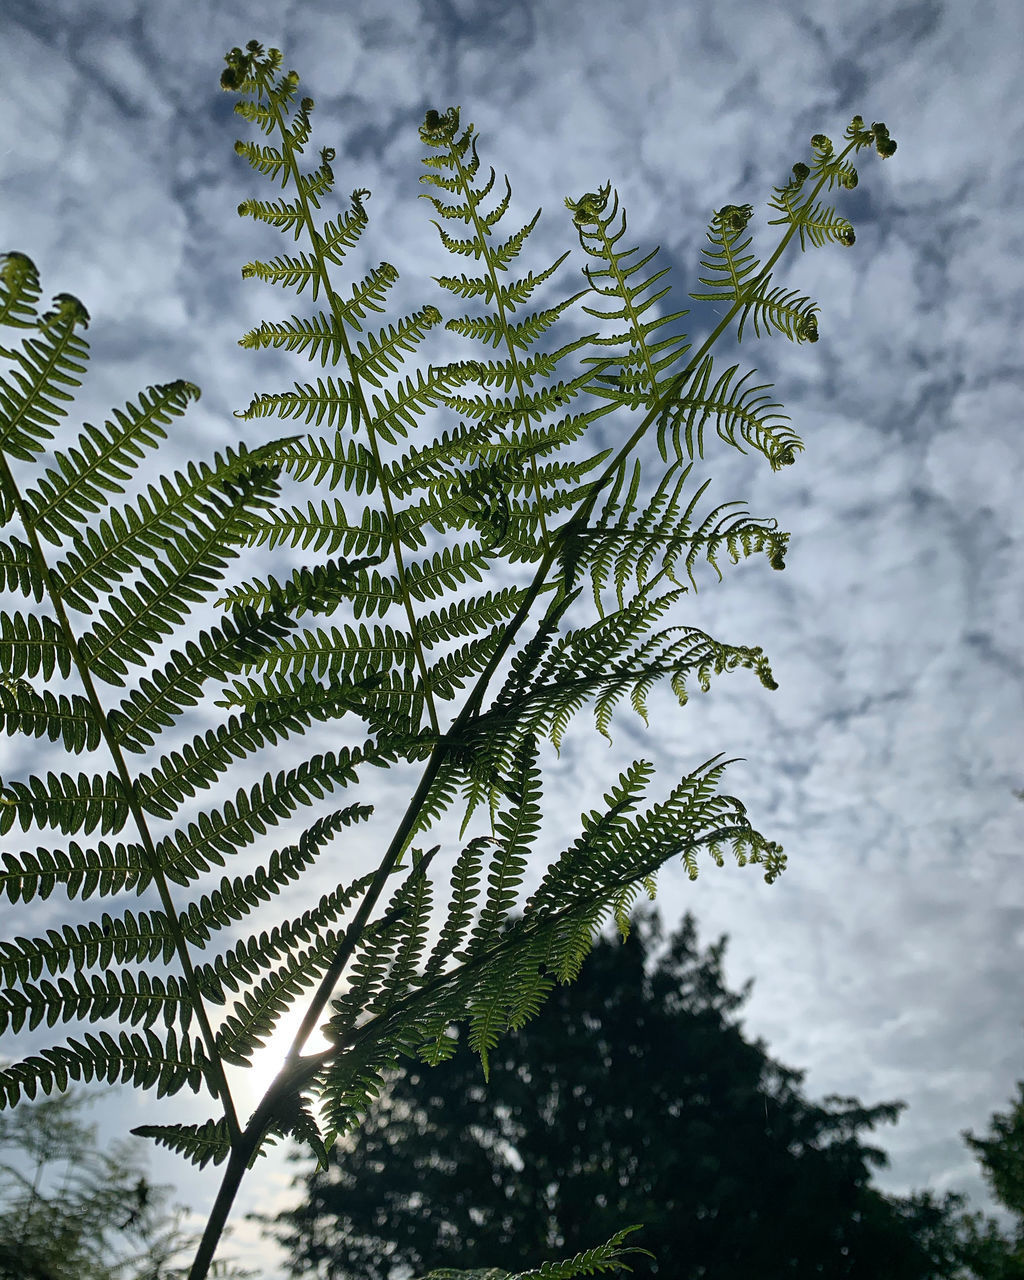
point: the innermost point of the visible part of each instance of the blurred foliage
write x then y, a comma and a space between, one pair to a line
70, 1210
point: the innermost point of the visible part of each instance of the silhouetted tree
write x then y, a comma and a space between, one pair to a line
1001, 1156
633, 1097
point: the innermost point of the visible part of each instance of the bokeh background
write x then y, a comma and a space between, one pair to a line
887, 958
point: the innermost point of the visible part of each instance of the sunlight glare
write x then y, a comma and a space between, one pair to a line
250, 1084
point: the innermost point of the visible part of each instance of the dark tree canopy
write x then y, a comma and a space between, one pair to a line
633, 1097
1001, 1156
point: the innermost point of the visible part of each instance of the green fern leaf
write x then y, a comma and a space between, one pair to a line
47, 363
103, 460
201, 1144
19, 570
103, 870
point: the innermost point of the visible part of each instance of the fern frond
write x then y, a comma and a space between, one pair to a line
489, 1011
514, 831
642, 371
146, 1060
180, 774
243, 963
234, 899
72, 721
104, 553
319, 334
131, 1000
69, 804
139, 616
794, 316
125, 938
521, 413
31, 645
47, 363
283, 214
156, 703
601, 663
189, 851
411, 906
19, 291
301, 1126
747, 413
735, 272
346, 462
454, 670
288, 272
465, 881
369, 592
102, 870
256, 1013
104, 459
598, 830
201, 1144
376, 356
812, 221
19, 570
471, 615
385, 956
342, 652
604, 1257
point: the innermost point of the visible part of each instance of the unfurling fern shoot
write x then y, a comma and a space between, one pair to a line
484, 582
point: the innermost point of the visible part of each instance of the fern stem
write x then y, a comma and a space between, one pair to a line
238, 1162
216, 1078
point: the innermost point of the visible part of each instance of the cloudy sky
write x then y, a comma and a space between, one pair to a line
887, 958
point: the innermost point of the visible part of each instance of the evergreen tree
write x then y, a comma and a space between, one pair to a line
633, 1096
1001, 1156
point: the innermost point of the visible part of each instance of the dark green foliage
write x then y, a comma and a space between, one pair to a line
632, 1096
1001, 1155
457, 559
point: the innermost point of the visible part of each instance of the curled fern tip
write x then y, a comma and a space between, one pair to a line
588, 208
438, 130
237, 70
884, 145
66, 304
735, 216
